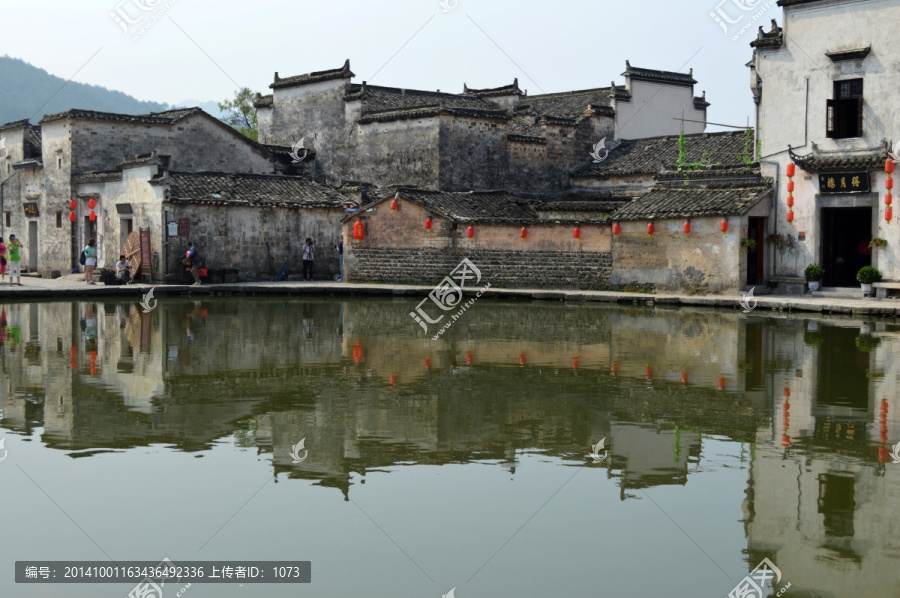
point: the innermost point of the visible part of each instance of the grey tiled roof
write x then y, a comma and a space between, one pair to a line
263, 101
496, 91
14, 124
771, 39
255, 190
98, 177
686, 200
818, 161
411, 113
520, 129
669, 77
470, 206
570, 105
166, 118
795, 2
385, 99
653, 155
316, 77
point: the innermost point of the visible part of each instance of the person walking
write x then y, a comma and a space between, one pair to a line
90, 260
340, 251
309, 256
193, 259
2, 261
15, 260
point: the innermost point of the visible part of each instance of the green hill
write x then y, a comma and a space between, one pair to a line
24, 89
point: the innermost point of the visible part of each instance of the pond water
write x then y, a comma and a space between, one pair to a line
461, 462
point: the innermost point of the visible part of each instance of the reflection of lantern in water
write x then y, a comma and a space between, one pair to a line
648, 372
522, 359
614, 368
575, 363
883, 453
393, 380
358, 353
684, 377
786, 419
427, 362
72, 351
74, 363
721, 383
470, 357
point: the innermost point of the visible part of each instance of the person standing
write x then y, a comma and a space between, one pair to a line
340, 250
309, 256
15, 260
2, 262
193, 258
90, 260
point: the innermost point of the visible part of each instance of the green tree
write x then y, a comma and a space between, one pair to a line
240, 113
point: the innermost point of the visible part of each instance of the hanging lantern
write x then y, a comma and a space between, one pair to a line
790, 201
72, 204
723, 226
470, 232
888, 214
358, 231
617, 230
888, 199
577, 233
650, 228
394, 205
93, 216
791, 169
72, 216
790, 186
92, 203
428, 225
889, 184
790, 198
790, 216
889, 166
523, 233
687, 228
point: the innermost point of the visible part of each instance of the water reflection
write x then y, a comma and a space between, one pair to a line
811, 403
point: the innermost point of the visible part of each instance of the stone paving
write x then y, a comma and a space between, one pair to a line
72, 286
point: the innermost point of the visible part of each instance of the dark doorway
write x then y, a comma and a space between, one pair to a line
756, 230
846, 233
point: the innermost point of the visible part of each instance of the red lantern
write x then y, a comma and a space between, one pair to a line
358, 231
889, 183
358, 353
92, 203
523, 233
650, 228
888, 199
790, 186
790, 201
787, 392
72, 351
470, 357
71, 216
522, 359
427, 362
575, 363
428, 225
617, 230
723, 226
72, 204
470, 232
577, 233
684, 377
393, 379
687, 228
790, 216
394, 205
888, 214
889, 166
93, 356
791, 169
93, 216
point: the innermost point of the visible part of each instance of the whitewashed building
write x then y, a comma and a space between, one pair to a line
825, 86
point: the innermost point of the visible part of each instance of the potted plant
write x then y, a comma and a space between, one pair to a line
877, 242
776, 240
814, 274
748, 244
866, 276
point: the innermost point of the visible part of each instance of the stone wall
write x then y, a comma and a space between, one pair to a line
474, 153
57, 251
258, 242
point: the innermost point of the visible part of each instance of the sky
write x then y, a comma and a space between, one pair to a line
206, 49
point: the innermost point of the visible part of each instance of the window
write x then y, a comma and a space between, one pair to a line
845, 111
59, 220
8, 220
59, 161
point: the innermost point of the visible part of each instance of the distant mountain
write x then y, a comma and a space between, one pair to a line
24, 89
